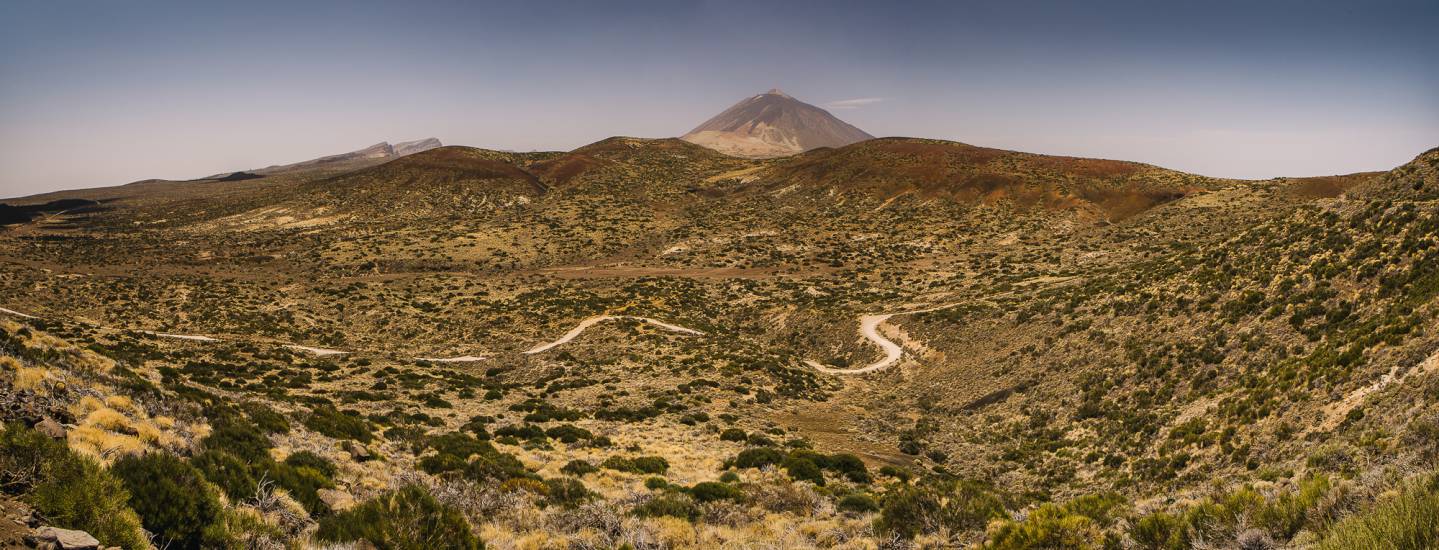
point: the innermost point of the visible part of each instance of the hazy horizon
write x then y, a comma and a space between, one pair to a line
104, 94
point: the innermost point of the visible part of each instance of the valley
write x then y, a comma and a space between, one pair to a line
898, 342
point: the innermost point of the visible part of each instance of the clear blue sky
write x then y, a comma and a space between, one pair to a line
102, 93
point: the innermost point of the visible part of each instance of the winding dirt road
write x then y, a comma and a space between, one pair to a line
869, 328
592, 321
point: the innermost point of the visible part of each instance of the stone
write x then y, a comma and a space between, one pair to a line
67, 539
358, 452
50, 428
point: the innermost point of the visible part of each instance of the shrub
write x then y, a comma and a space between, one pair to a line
733, 434
896, 472
491, 464
1407, 521
72, 491
441, 463
568, 433
710, 491
858, 503
307, 459
758, 457
459, 445
668, 504
266, 419
171, 497
332, 422
304, 483
849, 466
637, 465
909, 511
803, 469
651, 464
241, 439
1079, 523
227, 471
405, 519
579, 468
566, 492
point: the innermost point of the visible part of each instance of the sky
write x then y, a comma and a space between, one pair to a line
98, 93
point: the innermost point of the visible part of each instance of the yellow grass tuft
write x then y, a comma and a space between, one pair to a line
122, 403
86, 405
103, 445
150, 434
540, 540
674, 532
31, 378
109, 419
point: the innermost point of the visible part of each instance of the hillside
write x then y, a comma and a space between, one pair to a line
885, 343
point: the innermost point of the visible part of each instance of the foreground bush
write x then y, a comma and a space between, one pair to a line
958, 506
1077, 524
171, 497
1409, 521
409, 518
70, 490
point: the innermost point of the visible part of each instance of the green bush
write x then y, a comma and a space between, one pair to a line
956, 505
1079, 524
238, 438
637, 465
1408, 521
850, 466
651, 464
231, 474
803, 469
567, 492
758, 457
307, 459
406, 519
669, 504
909, 511
858, 503
568, 433
267, 419
733, 434
710, 491
304, 483
332, 422
171, 497
70, 490
903, 475
579, 468
491, 464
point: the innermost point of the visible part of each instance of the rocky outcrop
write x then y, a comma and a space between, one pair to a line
420, 145
63, 539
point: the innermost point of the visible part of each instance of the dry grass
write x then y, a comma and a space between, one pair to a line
103, 445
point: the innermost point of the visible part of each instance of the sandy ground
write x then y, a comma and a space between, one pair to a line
322, 352
17, 314
194, 337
